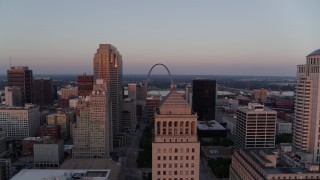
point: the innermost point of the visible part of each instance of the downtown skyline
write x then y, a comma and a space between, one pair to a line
209, 38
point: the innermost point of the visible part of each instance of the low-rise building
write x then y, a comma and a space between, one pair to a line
80, 174
211, 129
283, 127
253, 164
48, 153
50, 130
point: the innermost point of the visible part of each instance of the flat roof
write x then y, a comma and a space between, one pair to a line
40, 174
217, 151
210, 125
231, 119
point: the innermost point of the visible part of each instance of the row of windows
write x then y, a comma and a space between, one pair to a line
175, 173
174, 158
176, 150
175, 165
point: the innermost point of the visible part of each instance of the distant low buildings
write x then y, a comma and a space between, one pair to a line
260, 95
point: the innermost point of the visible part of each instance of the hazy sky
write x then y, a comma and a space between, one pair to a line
190, 37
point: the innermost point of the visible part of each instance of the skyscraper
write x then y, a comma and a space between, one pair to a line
307, 107
13, 96
107, 64
204, 98
256, 127
175, 148
43, 91
21, 77
93, 131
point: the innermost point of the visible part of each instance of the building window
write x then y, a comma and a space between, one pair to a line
159, 158
192, 149
158, 173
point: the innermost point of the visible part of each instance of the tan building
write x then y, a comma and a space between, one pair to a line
175, 149
107, 65
68, 92
307, 107
256, 127
260, 95
62, 119
92, 133
252, 164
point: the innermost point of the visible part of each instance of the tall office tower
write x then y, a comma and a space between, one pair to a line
107, 65
175, 148
204, 98
12, 96
132, 91
21, 77
260, 95
256, 127
92, 134
85, 85
307, 106
43, 91
189, 93
129, 115
20, 122
152, 103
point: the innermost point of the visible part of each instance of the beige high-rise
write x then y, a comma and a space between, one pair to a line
92, 134
307, 107
107, 65
175, 149
256, 127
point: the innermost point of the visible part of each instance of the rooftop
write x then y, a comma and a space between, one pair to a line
217, 151
68, 174
316, 52
209, 125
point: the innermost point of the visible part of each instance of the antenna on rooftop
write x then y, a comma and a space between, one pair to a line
10, 62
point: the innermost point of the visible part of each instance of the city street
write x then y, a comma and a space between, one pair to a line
129, 163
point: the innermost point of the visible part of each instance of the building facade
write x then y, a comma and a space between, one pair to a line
13, 96
260, 95
43, 91
92, 133
175, 148
61, 119
85, 85
107, 65
20, 122
251, 164
256, 127
307, 107
48, 153
204, 98
21, 77
129, 115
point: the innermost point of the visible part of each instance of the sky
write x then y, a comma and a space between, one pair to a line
204, 37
